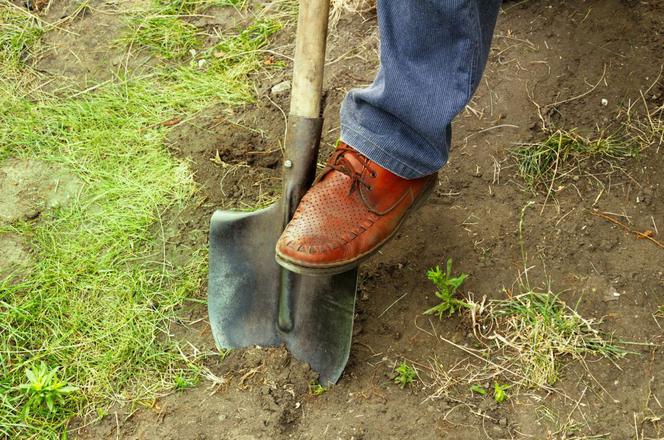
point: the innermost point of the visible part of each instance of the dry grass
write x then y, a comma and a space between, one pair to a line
524, 339
535, 331
644, 120
339, 7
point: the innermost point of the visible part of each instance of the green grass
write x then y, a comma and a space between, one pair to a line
185, 7
19, 37
561, 153
163, 30
166, 36
98, 302
89, 325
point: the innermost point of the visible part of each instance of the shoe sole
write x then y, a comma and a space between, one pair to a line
334, 269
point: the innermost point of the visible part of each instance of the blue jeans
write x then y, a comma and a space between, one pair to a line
433, 53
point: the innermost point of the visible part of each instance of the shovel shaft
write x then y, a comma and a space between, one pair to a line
309, 58
304, 121
303, 130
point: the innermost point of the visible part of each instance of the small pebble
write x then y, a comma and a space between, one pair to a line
281, 88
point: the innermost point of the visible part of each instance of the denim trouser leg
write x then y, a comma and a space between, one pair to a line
433, 53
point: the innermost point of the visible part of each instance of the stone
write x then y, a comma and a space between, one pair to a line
281, 88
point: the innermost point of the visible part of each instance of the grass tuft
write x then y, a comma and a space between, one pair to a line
20, 33
522, 341
536, 329
560, 154
644, 119
166, 36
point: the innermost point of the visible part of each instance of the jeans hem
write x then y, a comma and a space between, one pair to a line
360, 139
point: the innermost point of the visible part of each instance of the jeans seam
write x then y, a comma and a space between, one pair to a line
475, 49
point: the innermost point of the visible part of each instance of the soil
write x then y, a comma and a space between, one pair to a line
570, 64
28, 187
16, 260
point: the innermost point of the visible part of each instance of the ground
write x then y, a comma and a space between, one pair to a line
590, 234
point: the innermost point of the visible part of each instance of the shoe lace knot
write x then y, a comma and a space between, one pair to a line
339, 162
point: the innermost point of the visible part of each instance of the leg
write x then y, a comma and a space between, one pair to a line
396, 133
433, 53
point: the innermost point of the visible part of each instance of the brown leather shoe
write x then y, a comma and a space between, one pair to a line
353, 208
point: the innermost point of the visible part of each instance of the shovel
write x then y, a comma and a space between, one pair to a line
251, 299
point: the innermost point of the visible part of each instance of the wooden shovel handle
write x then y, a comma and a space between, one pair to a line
309, 58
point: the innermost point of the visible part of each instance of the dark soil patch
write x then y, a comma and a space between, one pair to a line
235, 155
546, 55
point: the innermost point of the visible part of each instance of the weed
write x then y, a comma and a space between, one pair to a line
405, 374
182, 383
224, 352
478, 389
544, 163
660, 312
447, 286
500, 392
316, 389
44, 388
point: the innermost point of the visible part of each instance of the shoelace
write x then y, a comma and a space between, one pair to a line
339, 163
